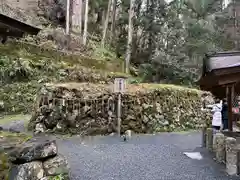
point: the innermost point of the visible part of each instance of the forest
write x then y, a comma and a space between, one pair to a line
160, 41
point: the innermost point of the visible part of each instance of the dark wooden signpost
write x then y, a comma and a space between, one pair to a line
221, 76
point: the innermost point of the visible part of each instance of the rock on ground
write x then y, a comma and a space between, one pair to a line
28, 171
56, 165
34, 149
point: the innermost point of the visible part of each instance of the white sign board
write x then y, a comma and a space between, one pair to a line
119, 85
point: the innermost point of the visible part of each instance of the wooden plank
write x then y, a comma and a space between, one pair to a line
224, 71
229, 101
228, 79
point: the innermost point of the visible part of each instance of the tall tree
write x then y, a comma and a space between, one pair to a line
77, 16
235, 24
106, 23
130, 36
67, 17
113, 20
202, 7
85, 23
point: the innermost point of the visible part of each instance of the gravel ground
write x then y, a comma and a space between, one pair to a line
144, 157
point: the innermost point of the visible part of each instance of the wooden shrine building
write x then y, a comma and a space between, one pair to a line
221, 76
10, 27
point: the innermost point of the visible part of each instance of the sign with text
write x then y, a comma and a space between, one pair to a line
119, 85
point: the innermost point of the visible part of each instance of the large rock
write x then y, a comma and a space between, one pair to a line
56, 165
34, 149
40, 128
28, 171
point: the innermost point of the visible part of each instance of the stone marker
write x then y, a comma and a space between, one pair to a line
231, 156
204, 137
219, 143
209, 139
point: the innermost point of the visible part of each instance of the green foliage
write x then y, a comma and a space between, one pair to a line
18, 97
99, 52
4, 165
16, 69
174, 39
58, 177
10, 118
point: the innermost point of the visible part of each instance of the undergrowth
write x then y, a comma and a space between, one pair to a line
25, 67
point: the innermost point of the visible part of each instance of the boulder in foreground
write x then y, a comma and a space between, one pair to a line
56, 165
28, 171
33, 150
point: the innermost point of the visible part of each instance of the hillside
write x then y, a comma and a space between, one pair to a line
25, 67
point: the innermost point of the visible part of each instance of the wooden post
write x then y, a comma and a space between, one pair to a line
119, 87
119, 114
230, 101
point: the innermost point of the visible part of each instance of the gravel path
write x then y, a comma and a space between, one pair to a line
17, 126
144, 157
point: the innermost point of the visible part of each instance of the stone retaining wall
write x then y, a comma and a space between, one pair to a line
91, 109
38, 159
226, 148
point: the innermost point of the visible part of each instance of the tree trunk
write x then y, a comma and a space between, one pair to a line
130, 34
80, 17
67, 17
113, 21
103, 18
235, 25
77, 17
99, 17
106, 24
150, 30
85, 23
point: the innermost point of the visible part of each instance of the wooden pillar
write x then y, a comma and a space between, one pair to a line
230, 101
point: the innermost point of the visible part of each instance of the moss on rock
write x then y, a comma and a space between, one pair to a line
4, 166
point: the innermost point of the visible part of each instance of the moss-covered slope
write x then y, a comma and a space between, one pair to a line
25, 67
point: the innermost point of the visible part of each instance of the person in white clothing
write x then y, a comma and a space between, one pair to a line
217, 115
